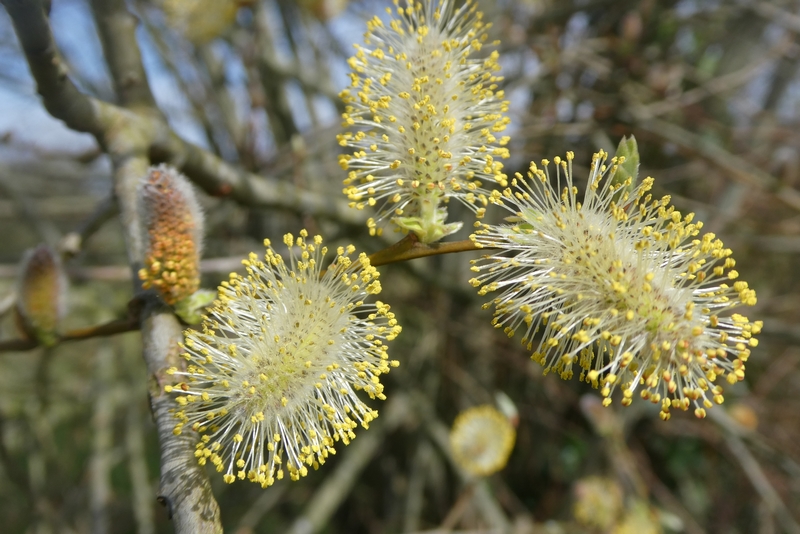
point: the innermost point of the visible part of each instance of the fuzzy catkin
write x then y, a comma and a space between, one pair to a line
618, 284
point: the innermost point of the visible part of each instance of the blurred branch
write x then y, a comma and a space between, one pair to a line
122, 273
7, 302
265, 502
787, 331
141, 489
117, 28
100, 462
221, 179
483, 499
275, 101
72, 243
753, 470
338, 484
726, 82
631, 469
776, 14
218, 104
304, 77
11, 466
28, 211
119, 130
117, 326
738, 168
415, 495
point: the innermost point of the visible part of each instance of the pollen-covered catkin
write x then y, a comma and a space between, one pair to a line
620, 285
424, 117
271, 381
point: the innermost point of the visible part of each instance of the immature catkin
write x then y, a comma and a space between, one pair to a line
481, 440
172, 234
41, 294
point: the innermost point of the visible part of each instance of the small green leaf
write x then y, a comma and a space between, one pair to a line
428, 231
627, 166
192, 307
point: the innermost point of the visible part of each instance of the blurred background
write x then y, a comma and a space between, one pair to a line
710, 89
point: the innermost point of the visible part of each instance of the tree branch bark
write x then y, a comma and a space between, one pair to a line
117, 28
126, 137
103, 120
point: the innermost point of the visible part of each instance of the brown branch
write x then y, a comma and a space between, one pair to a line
111, 328
409, 248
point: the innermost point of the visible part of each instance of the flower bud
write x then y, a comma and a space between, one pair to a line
172, 232
41, 294
481, 440
200, 21
598, 502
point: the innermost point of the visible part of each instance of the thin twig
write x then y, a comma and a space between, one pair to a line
111, 328
28, 211
753, 470
72, 243
338, 484
735, 166
141, 488
457, 511
415, 493
726, 82
100, 462
265, 502
777, 15
410, 248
